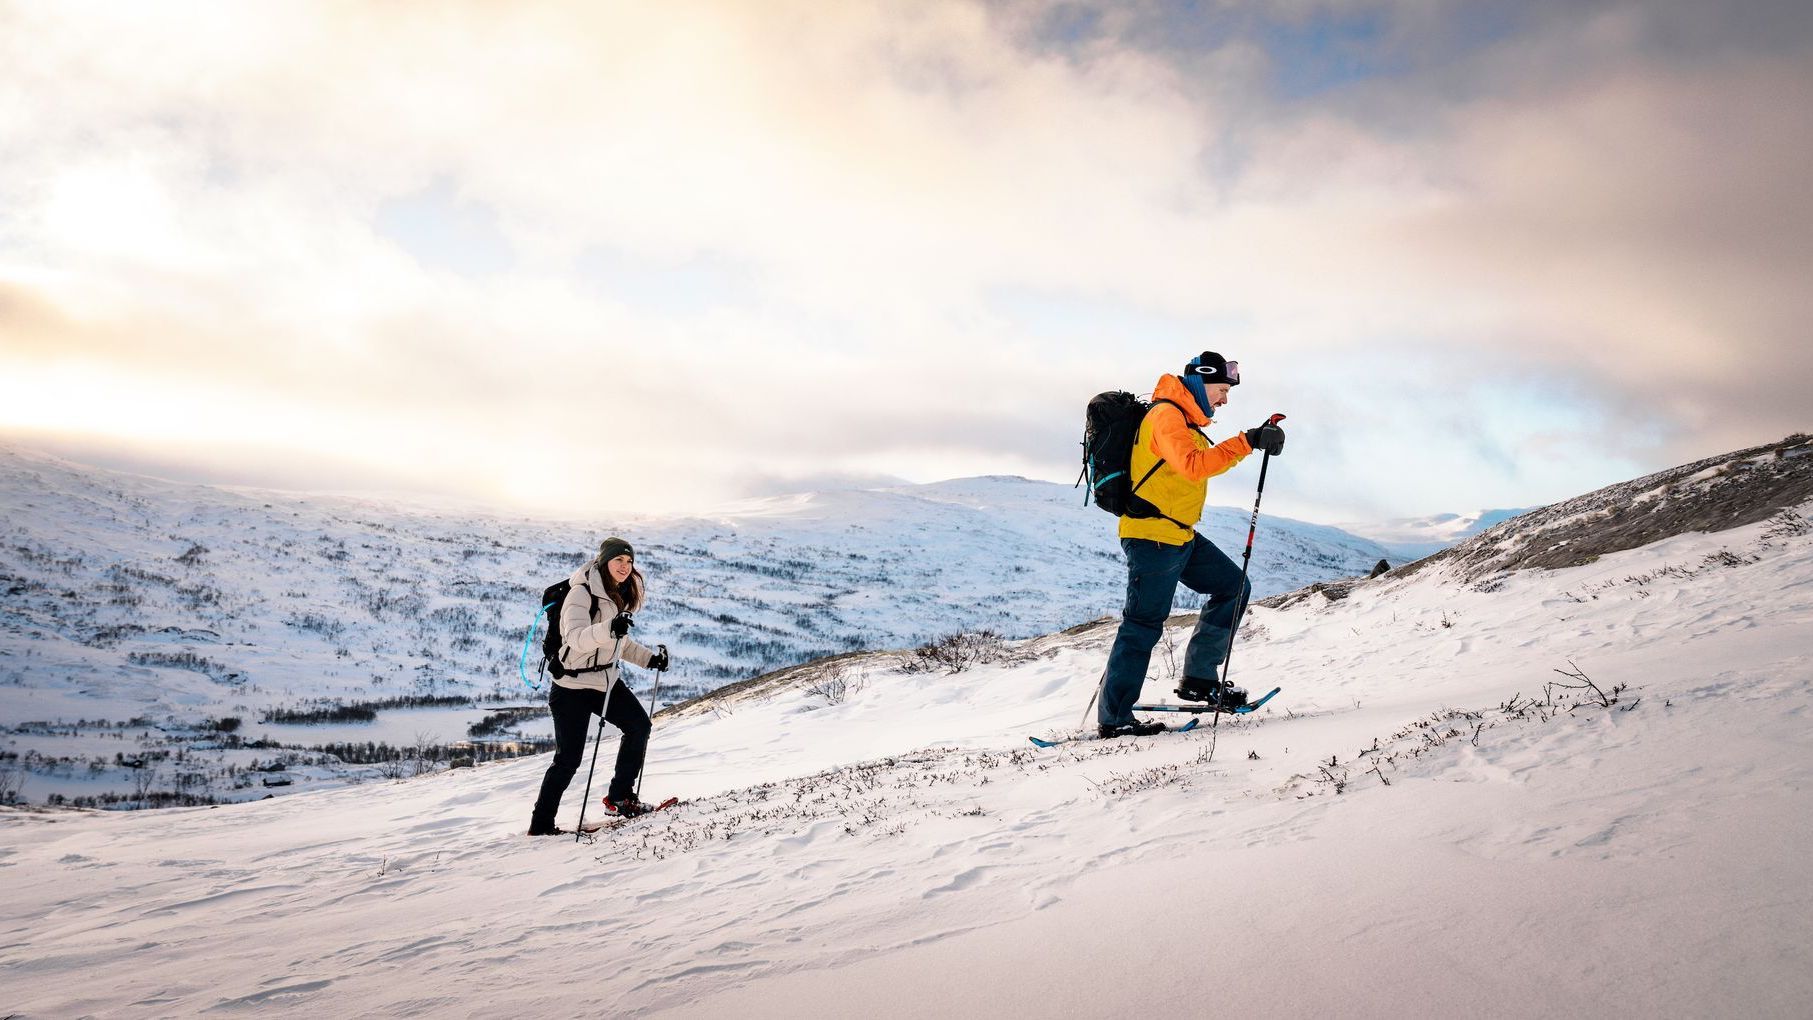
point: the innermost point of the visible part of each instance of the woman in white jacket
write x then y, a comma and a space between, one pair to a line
595, 621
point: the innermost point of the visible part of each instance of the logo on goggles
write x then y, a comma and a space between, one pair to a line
1210, 371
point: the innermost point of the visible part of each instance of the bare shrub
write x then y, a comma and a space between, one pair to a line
12, 784
1168, 651
1788, 524
189, 661
833, 684
316, 623
1139, 781
143, 779
425, 745
1584, 683
954, 653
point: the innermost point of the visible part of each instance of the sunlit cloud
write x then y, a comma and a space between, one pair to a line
647, 258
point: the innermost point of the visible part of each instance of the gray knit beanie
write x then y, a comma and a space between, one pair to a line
613, 547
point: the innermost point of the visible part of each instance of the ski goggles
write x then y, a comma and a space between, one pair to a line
1209, 373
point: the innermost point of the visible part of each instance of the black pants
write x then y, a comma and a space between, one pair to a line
573, 709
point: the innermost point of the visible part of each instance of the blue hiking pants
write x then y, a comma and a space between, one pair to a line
1153, 572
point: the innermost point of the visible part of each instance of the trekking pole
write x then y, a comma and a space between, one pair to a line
1098, 691
654, 699
1246, 561
579, 830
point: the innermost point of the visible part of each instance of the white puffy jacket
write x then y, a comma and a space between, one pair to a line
586, 640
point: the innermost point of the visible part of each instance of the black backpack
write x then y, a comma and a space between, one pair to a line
551, 600
1110, 428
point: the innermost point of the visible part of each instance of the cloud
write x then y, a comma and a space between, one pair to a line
26, 318
607, 256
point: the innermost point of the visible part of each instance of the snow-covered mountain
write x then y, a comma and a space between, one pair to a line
1495, 784
1412, 538
125, 598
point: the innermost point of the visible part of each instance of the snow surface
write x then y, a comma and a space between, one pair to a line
1418, 826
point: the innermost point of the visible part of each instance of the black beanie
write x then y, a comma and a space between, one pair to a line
613, 547
1212, 368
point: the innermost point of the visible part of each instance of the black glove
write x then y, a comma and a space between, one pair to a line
1269, 438
621, 625
658, 661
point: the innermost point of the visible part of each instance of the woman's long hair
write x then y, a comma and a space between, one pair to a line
628, 595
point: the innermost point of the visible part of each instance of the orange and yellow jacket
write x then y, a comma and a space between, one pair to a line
1181, 483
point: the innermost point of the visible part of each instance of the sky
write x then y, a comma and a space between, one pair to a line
577, 257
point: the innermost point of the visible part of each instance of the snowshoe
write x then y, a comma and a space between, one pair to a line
1226, 697
630, 807
1136, 728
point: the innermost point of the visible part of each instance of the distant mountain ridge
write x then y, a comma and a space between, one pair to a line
125, 595
1412, 538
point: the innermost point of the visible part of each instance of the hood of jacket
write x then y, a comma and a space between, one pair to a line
1172, 388
592, 576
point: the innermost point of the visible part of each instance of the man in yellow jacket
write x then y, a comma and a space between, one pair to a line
1173, 462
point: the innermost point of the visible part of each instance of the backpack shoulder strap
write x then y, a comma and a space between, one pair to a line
1161, 461
1180, 410
594, 617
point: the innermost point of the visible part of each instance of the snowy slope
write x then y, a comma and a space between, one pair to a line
1421, 825
147, 608
1714, 494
